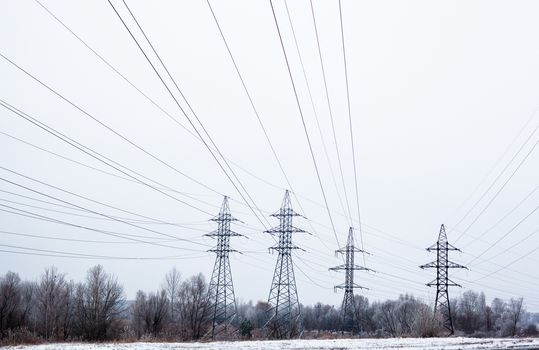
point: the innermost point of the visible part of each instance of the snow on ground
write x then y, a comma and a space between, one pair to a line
340, 344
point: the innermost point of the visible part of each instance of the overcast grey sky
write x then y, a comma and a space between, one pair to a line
443, 96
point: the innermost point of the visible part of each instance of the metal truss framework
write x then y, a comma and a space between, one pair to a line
283, 296
349, 321
221, 300
442, 281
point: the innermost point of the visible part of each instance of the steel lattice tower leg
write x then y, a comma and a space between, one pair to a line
221, 300
349, 320
283, 296
442, 281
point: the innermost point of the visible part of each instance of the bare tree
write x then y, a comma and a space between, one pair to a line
261, 313
387, 317
52, 297
100, 304
425, 324
365, 314
515, 311
498, 308
27, 308
192, 306
69, 308
172, 286
156, 312
470, 312
406, 313
10, 300
138, 314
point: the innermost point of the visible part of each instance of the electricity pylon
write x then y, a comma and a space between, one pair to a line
349, 321
442, 281
221, 300
283, 296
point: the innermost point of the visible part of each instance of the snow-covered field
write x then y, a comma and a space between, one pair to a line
341, 344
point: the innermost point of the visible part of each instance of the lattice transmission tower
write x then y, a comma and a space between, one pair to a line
442, 281
221, 300
283, 296
349, 321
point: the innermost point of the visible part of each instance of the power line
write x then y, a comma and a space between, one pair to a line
411, 263
258, 116
63, 239
28, 214
396, 238
92, 153
505, 235
182, 109
303, 122
115, 70
160, 186
495, 288
314, 108
493, 168
479, 238
499, 175
86, 216
96, 155
330, 109
307, 275
511, 263
505, 250
57, 211
64, 157
92, 211
102, 59
351, 128
251, 102
499, 190
90, 200
88, 256
508, 213
16, 111
103, 124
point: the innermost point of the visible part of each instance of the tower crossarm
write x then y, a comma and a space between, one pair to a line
349, 267
436, 246
283, 247
451, 247
223, 217
220, 251
286, 212
453, 265
449, 265
350, 286
279, 230
431, 265
436, 283
221, 233
351, 249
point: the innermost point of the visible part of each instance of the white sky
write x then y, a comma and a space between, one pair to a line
443, 95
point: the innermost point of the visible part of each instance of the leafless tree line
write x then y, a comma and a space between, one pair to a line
410, 317
57, 309
501, 318
177, 311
